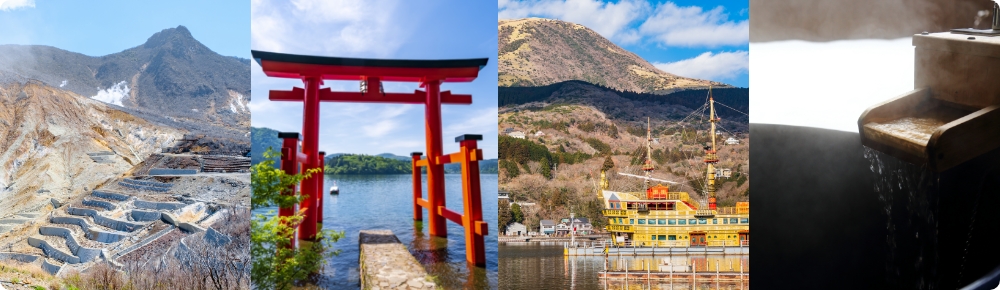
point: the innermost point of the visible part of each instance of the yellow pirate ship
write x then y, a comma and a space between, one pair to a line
660, 218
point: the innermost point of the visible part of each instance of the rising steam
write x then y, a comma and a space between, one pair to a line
113, 95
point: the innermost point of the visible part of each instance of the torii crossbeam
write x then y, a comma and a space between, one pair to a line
312, 70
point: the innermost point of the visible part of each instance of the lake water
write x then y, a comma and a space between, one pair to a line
543, 266
386, 202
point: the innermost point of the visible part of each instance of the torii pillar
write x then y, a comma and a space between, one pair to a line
312, 70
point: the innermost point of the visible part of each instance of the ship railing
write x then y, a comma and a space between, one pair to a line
665, 244
733, 210
662, 244
723, 243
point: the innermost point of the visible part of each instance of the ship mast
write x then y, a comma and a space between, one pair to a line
648, 166
710, 155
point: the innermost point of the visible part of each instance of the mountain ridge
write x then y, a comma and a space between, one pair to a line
171, 74
539, 51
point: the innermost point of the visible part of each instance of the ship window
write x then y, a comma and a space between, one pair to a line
715, 221
662, 238
702, 221
682, 222
692, 221
661, 222
652, 221
642, 221
732, 220
672, 237
670, 206
745, 221
671, 222
725, 221
631, 221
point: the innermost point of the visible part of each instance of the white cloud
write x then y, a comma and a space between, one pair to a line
113, 95
716, 67
345, 27
380, 128
691, 26
387, 116
480, 122
8, 5
664, 23
63, 84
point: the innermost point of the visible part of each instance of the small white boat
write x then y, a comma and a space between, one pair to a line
334, 189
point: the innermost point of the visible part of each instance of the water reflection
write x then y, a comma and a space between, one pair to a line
385, 202
543, 266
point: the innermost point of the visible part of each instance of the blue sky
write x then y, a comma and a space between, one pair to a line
390, 29
700, 39
98, 28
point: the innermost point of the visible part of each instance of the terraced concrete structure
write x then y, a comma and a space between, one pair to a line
145, 185
170, 171
16, 220
158, 205
102, 156
102, 226
224, 164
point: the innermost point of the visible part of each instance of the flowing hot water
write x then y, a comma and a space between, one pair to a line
909, 195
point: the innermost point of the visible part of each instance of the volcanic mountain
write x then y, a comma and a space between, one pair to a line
171, 75
538, 52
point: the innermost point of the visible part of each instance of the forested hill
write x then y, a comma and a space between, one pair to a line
366, 164
737, 98
390, 164
385, 163
260, 140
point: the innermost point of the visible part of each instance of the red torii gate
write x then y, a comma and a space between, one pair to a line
312, 70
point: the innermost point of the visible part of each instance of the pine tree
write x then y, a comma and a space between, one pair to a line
546, 168
608, 164
505, 217
515, 213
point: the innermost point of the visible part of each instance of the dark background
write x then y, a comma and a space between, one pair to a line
819, 223
818, 20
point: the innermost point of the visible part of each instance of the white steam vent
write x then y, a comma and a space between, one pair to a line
113, 95
237, 104
63, 84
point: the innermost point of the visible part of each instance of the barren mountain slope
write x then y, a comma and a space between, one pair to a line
46, 134
537, 52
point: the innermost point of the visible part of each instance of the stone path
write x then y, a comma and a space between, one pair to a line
386, 264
